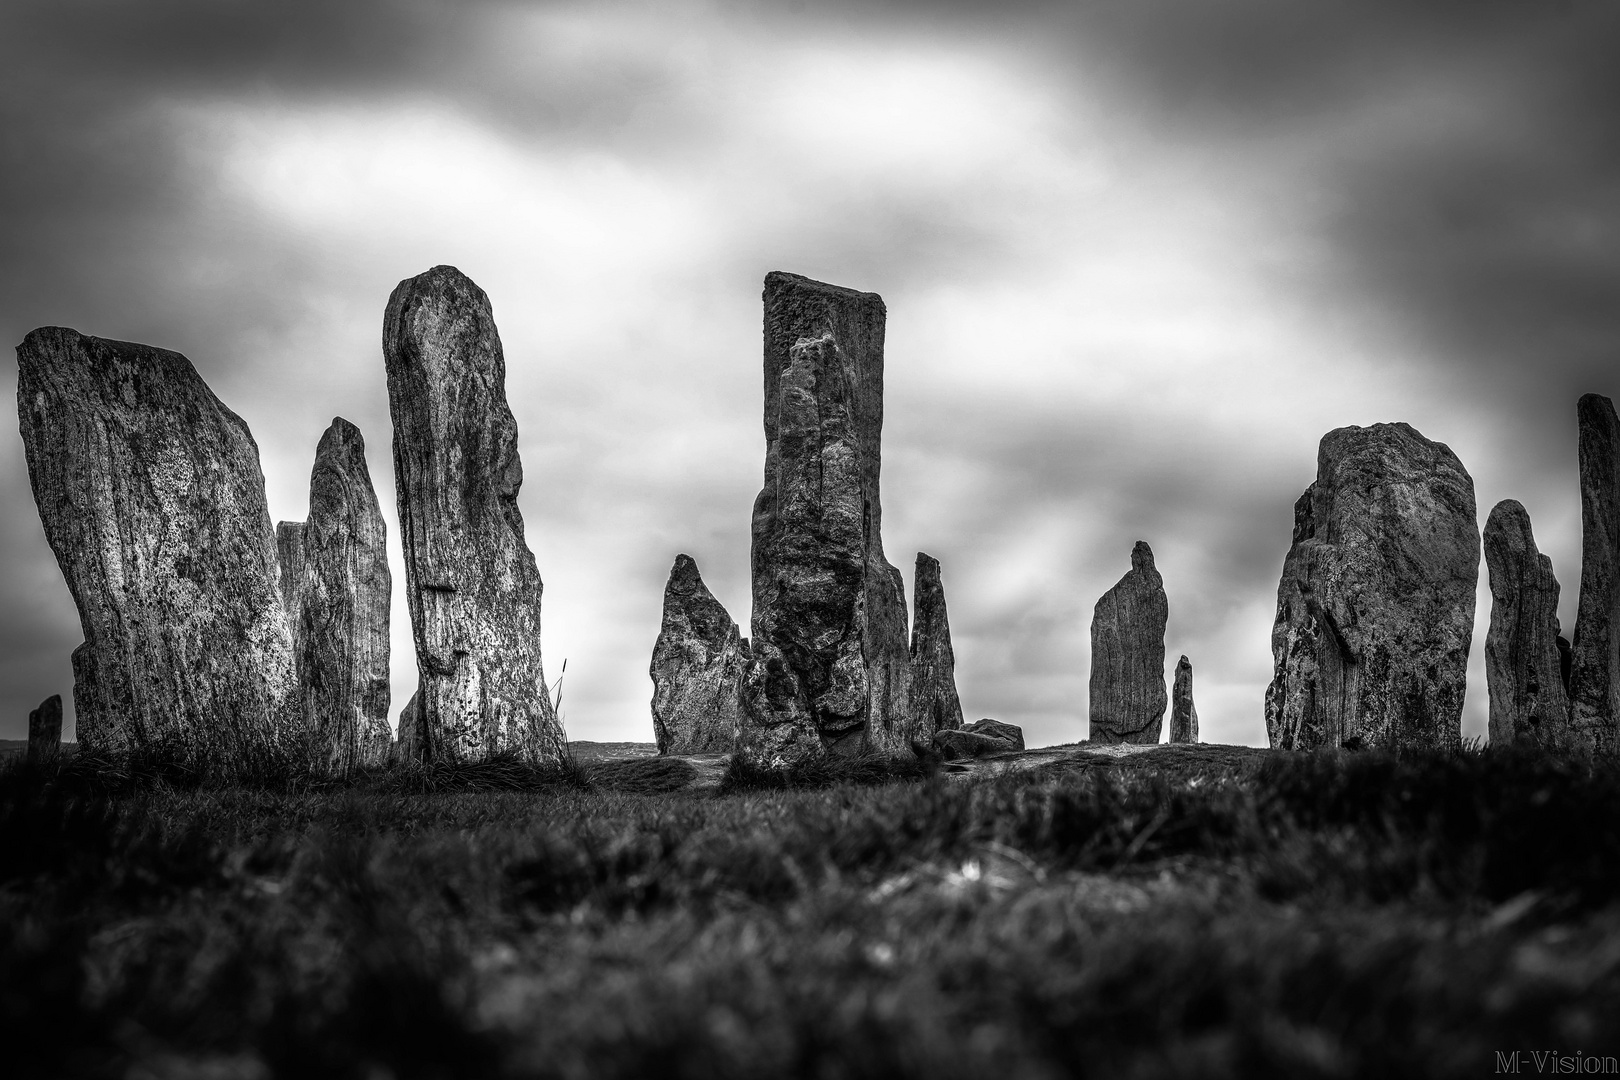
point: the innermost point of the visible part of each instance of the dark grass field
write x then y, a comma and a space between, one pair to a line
1174, 913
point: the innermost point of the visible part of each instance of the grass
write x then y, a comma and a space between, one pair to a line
1164, 915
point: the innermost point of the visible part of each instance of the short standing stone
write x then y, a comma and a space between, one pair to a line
1375, 609
831, 666
1523, 668
933, 662
1127, 655
1183, 713
45, 731
1594, 682
341, 611
471, 582
153, 501
408, 741
697, 666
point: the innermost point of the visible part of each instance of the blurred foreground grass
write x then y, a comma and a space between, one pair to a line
1177, 913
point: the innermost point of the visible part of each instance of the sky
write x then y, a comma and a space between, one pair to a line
1138, 258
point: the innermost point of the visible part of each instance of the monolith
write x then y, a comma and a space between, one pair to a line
408, 739
290, 574
1375, 608
45, 731
471, 582
153, 501
697, 666
933, 662
830, 668
340, 606
1528, 700
1594, 680
1183, 713
1127, 655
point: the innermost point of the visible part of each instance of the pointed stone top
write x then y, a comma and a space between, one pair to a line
684, 576
1142, 556
1508, 527
1184, 662
926, 560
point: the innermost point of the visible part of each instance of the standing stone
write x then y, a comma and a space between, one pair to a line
1523, 668
1594, 682
45, 731
290, 575
933, 662
1183, 713
1375, 609
471, 582
830, 667
697, 667
340, 606
153, 501
409, 740
1127, 655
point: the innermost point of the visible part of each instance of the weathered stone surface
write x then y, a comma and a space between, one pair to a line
1523, 668
933, 661
697, 666
1375, 609
409, 739
979, 739
338, 601
45, 731
1183, 713
1594, 681
471, 583
153, 501
1127, 655
831, 659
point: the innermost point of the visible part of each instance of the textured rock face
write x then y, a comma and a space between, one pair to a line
697, 667
1183, 713
290, 574
1594, 682
831, 667
471, 582
409, 739
979, 739
933, 663
1523, 668
153, 501
1375, 609
339, 605
45, 731
1127, 655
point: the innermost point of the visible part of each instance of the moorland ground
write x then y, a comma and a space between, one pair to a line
1188, 911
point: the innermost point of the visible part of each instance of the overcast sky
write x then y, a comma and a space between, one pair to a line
1138, 257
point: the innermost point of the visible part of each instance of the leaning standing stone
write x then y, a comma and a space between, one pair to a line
1127, 655
1529, 703
153, 501
45, 731
933, 662
1594, 682
697, 666
1183, 714
1375, 609
471, 582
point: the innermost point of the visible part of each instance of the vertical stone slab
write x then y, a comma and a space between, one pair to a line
1183, 713
410, 739
1375, 609
341, 636
831, 667
1594, 682
933, 661
697, 667
290, 574
153, 501
1127, 655
471, 582
1523, 667
45, 731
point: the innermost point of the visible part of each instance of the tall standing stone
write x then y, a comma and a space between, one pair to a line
697, 667
831, 666
153, 501
1528, 700
933, 661
338, 596
1127, 655
45, 731
1183, 713
1375, 609
471, 582
1594, 683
